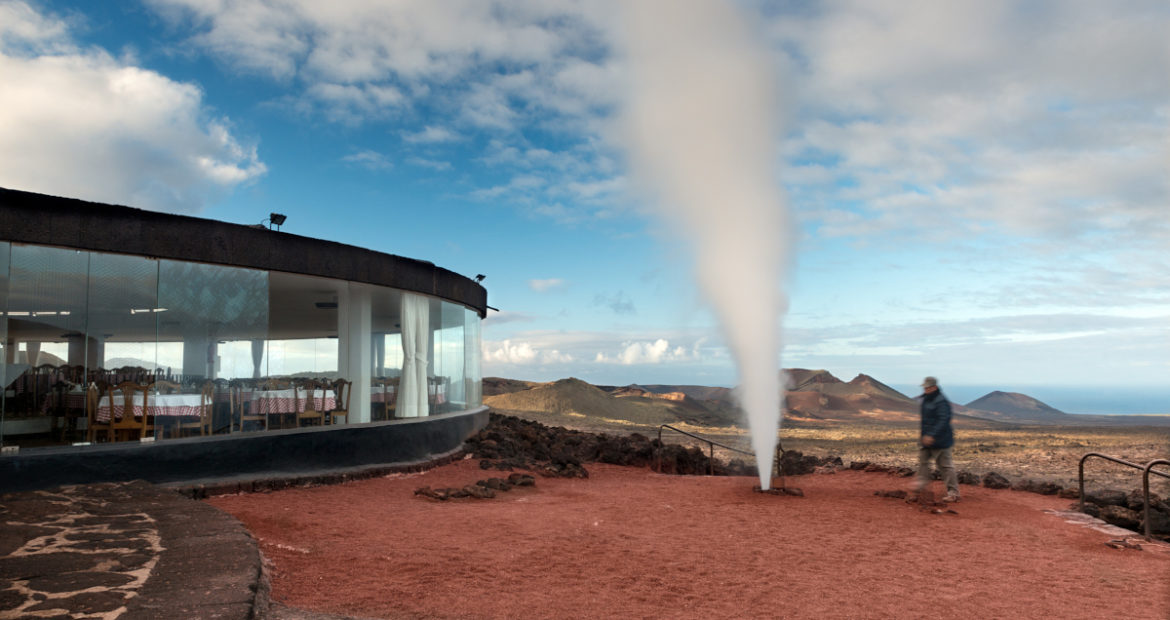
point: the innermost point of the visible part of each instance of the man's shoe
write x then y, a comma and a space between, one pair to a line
951, 498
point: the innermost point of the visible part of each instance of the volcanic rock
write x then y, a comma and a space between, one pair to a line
521, 480
1159, 523
1136, 500
479, 492
1120, 516
439, 494
993, 480
1093, 510
1035, 486
498, 484
966, 477
1107, 497
782, 490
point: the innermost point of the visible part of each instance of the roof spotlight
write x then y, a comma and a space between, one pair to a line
276, 219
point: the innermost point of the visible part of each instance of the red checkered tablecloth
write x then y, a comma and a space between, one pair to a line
287, 401
160, 405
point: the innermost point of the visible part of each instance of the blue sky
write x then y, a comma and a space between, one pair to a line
974, 190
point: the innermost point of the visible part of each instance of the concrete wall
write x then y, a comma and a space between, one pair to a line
272, 453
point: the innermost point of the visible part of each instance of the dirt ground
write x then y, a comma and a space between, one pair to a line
1042, 453
629, 543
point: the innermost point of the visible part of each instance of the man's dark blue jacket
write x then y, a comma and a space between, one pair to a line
936, 420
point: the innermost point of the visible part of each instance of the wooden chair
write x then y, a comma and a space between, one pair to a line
127, 426
202, 422
93, 395
281, 384
242, 411
314, 403
75, 374
167, 387
274, 384
341, 390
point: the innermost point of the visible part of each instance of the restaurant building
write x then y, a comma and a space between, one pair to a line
259, 351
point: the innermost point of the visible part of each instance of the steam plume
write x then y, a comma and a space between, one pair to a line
700, 126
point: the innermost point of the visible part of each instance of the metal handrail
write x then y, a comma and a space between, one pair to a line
711, 445
1146, 469
1146, 488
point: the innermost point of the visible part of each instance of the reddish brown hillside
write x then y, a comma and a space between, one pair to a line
1015, 407
493, 386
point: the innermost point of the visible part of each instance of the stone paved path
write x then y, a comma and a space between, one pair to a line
124, 550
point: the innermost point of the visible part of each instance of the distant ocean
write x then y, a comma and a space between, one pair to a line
1096, 401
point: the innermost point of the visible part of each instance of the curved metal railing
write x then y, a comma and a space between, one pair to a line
710, 445
1146, 470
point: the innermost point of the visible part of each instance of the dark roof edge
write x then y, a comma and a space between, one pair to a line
27, 217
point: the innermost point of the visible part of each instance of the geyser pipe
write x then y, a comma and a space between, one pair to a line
701, 124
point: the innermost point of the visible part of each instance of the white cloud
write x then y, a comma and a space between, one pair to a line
522, 353
963, 117
371, 160
433, 164
78, 122
645, 352
430, 135
547, 284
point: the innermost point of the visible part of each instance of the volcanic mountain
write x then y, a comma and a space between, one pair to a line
811, 395
1015, 407
817, 394
632, 404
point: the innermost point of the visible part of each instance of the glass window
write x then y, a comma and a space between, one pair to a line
450, 390
45, 324
6, 350
386, 365
207, 312
302, 326
472, 375
122, 309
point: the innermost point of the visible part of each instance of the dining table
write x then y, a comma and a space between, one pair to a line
289, 401
158, 405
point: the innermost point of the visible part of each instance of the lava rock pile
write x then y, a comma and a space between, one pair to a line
509, 443
483, 489
1127, 510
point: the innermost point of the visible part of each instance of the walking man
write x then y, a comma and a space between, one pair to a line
937, 440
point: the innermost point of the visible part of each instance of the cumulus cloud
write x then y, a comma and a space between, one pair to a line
546, 284
522, 353
646, 352
470, 68
79, 122
965, 117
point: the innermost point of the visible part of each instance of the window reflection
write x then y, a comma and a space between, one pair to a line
222, 349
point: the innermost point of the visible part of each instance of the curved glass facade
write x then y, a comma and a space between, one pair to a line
223, 349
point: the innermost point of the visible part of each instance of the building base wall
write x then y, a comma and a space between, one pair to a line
244, 455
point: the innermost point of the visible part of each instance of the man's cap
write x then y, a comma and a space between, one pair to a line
929, 382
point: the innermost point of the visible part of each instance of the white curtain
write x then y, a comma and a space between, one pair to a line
257, 356
416, 335
32, 350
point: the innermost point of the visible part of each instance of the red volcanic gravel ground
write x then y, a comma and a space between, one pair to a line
629, 543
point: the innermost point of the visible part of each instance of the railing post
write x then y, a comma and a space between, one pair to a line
711, 458
658, 452
1080, 480
1146, 491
